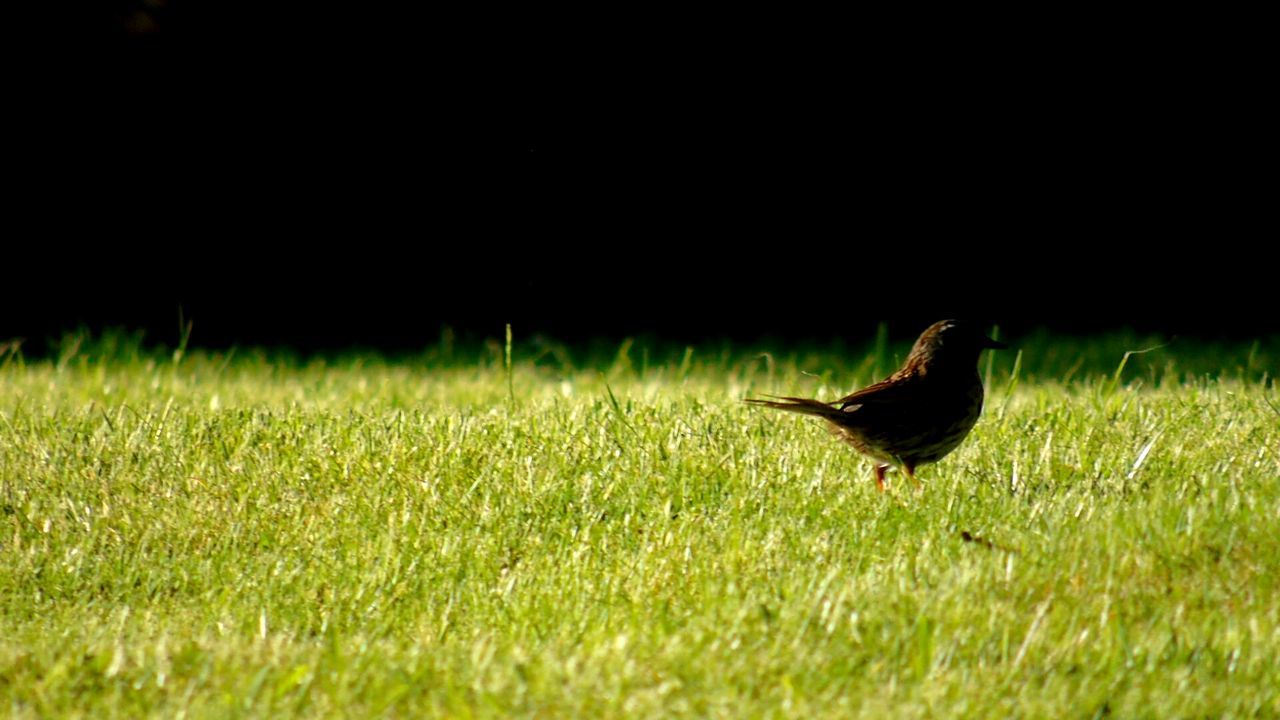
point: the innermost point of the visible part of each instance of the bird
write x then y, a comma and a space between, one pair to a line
917, 415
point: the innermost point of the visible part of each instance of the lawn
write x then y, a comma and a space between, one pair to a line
613, 533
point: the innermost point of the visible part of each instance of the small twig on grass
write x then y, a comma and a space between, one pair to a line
971, 538
1270, 404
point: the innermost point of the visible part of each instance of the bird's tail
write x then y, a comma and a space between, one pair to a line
804, 406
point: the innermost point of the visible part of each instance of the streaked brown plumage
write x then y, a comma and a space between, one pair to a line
916, 415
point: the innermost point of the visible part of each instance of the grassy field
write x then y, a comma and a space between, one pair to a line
195, 534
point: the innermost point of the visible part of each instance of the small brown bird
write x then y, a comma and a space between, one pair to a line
918, 414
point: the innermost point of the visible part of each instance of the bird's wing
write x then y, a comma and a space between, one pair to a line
889, 390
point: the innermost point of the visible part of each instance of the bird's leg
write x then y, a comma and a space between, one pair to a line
910, 470
880, 469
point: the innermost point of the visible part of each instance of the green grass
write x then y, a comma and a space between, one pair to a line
206, 534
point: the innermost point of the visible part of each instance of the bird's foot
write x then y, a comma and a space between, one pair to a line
911, 473
880, 471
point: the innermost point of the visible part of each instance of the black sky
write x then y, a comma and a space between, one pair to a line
328, 189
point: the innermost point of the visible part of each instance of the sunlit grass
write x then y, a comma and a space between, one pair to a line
613, 533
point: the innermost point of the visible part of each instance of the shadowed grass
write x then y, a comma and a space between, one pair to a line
612, 533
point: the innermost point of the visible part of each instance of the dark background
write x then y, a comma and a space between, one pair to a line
323, 179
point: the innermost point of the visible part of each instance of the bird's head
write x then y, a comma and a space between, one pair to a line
953, 342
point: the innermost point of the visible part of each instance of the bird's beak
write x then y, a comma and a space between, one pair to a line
994, 344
